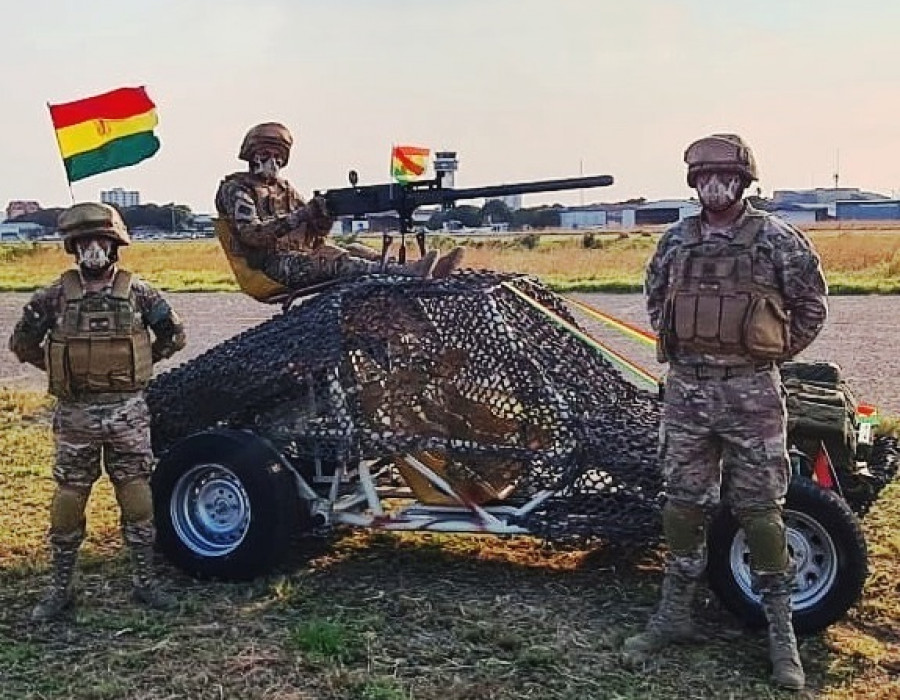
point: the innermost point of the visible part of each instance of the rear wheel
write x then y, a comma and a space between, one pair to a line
826, 546
226, 506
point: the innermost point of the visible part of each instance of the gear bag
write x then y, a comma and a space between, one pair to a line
100, 344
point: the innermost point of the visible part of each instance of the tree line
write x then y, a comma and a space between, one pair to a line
166, 217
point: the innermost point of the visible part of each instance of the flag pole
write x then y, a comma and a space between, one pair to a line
59, 146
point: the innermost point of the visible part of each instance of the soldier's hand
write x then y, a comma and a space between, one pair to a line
318, 213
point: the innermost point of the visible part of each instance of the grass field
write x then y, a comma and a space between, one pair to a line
856, 260
392, 617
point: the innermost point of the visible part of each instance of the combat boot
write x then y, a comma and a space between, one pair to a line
446, 264
60, 595
787, 671
670, 624
422, 267
146, 589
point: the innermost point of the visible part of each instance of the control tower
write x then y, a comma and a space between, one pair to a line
446, 162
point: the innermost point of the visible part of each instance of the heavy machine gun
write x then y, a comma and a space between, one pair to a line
405, 198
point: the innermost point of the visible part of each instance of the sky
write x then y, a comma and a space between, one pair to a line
521, 89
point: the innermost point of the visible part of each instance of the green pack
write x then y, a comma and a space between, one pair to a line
819, 402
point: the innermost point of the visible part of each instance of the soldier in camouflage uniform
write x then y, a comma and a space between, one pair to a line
279, 234
730, 293
89, 332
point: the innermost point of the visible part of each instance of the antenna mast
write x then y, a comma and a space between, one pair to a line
837, 168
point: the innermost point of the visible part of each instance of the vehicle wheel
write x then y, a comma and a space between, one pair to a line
826, 545
225, 505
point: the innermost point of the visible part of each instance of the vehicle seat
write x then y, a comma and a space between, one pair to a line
252, 282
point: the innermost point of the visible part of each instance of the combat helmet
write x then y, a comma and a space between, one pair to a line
91, 219
720, 153
270, 134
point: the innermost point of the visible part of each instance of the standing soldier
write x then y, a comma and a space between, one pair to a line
89, 332
730, 293
270, 231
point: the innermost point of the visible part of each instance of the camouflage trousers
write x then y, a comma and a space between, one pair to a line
297, 270
114, 435
725, 439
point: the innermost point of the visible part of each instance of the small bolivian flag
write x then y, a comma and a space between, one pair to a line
105, 132
408, 162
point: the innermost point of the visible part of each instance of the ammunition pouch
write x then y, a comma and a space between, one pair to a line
718, 306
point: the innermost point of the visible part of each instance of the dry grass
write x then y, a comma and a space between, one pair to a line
858, 260
383, 617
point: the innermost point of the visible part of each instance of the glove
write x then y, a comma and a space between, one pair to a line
319, 218
314, 213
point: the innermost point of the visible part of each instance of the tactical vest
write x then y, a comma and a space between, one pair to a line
716, 305
100, 344
270, 200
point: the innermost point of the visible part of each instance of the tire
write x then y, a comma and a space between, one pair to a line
826, 543
226, 506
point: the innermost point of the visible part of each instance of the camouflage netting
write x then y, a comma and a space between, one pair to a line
460, 371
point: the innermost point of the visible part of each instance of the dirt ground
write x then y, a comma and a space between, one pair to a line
862, 335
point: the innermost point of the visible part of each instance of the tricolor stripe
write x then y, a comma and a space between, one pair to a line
105, 132
94, 133
408, 162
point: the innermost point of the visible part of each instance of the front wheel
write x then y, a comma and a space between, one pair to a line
826, 545
225, 505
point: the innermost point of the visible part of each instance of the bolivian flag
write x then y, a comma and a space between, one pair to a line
105, 132
408, 162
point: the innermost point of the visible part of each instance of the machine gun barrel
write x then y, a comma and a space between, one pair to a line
493, 191
405, 198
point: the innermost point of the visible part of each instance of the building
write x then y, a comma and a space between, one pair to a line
583, 217
19, 233
513, 202
445, 166
872, 210
666, 211
628, 214
799, 214
823, 195
20, 207
120, 197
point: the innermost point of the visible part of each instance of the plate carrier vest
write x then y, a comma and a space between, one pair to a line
100, 344
715, 303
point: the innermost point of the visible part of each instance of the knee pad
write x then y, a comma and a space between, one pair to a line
766, 539
135, 500
67, 510
685, 528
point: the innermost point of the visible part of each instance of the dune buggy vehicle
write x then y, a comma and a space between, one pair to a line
473, 404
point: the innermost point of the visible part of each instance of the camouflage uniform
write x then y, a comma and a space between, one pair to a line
294, 254
90, 427
280, 235
723, 431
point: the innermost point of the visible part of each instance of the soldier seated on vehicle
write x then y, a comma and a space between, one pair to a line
275, 242
90, 331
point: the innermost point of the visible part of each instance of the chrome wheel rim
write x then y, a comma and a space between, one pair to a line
813, 554
210, 510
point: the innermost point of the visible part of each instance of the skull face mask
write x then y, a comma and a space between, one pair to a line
95, 256
718, 191
266, 165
